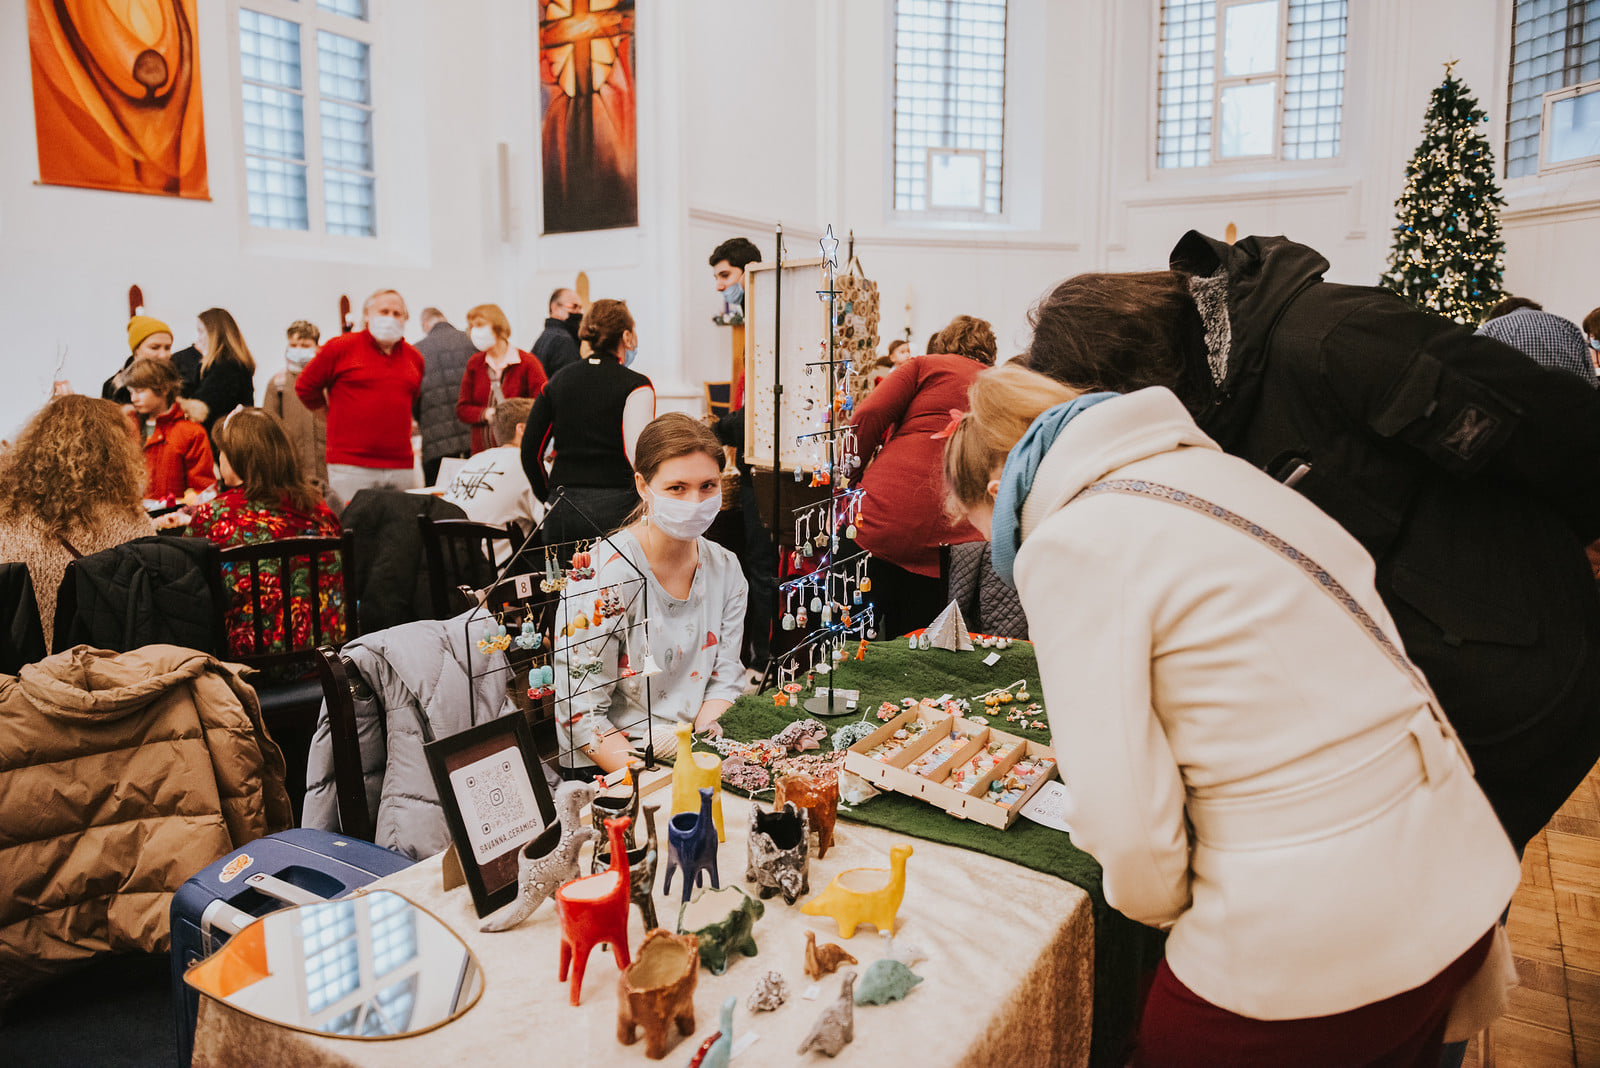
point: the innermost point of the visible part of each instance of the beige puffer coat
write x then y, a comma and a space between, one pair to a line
121, 775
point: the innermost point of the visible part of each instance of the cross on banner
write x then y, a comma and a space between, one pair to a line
583, 23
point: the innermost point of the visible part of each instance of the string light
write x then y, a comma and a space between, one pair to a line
1448, 256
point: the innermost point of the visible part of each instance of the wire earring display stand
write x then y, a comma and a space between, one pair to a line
566, 634
826, 594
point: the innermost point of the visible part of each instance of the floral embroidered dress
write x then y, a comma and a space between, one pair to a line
234, 519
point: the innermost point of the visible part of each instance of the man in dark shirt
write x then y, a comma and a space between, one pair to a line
558, 345
447, 351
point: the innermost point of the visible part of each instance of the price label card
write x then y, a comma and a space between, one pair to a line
991, 660
1049, 805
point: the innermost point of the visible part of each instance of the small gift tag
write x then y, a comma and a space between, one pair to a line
812, 992
745, 1040
991, 660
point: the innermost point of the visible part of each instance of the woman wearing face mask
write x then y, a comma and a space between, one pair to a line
227, 370
1251, 757
691, 590
494, 375
591, 412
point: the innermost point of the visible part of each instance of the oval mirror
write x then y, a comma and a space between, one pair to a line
372, 966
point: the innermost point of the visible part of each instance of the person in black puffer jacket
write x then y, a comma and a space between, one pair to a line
446, 351
1469, 472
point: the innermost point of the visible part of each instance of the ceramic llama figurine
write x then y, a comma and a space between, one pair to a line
864, 895
642, 870
550, 859
692, 847
594, 911
693, 772
657, 991
606, 807
777, 858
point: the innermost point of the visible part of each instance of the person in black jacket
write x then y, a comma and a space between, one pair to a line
591, 413
557, 347
1469, 472
227, 370
445, 351
153, 338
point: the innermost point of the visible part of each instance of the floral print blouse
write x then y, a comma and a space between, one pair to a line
233, 519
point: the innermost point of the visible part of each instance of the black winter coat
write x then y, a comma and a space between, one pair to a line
1469, 472
225, 386
556, 347
391, 577
445, 352
158, 590
187, 361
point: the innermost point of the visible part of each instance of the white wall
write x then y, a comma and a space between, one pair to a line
751, 112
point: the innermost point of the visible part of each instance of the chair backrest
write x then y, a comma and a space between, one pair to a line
21, 633
289, 554
460, 552
340, 680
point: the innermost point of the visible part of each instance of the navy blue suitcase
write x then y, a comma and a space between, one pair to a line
292, 867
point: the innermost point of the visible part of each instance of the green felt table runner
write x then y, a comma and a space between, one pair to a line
892, 671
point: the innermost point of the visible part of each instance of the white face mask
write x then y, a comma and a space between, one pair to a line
482, 337
386, 329
684, 520
200, 339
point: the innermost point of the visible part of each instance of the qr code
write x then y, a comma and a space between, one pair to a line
495, 796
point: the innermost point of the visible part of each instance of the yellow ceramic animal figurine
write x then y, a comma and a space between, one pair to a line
864, 895
692, 772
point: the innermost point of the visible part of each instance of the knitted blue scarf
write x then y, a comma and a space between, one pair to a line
1016, 479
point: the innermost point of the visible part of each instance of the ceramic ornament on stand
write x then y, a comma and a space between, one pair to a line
949, 631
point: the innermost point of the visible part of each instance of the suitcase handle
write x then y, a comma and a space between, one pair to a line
286, 892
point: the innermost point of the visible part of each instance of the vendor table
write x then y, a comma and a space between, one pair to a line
1008, 980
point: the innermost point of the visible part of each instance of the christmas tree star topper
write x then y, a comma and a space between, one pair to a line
830, 249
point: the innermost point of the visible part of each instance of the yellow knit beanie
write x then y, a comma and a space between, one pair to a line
140, 327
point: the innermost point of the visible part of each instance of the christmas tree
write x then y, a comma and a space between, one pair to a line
1448, 257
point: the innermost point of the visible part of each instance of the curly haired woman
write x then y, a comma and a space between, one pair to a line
70, 486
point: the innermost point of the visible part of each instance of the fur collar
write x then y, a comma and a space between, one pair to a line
1211, 299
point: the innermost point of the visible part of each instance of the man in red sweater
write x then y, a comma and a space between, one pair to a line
369, 381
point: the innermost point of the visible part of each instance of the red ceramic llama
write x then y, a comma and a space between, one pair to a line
594, 911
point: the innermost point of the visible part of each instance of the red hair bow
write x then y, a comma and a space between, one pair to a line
956, 415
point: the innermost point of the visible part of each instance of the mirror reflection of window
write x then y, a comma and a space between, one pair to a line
389, 1013
332, 957
394, 933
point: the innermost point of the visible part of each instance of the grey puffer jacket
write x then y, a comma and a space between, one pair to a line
445, 352
411, 668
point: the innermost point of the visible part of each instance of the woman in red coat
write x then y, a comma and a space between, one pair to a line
903, 521
496, 373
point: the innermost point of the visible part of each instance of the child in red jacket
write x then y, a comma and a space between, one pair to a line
177, 453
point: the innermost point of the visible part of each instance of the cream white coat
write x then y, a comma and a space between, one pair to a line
1196, 678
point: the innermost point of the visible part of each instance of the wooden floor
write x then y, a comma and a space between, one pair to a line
1554, 1019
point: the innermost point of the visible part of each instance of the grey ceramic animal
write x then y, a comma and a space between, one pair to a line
770, 992
885, 981
836, 1027
778, 847
608, 807
550, 859
642, 871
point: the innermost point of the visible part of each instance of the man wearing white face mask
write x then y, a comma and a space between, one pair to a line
369, 381
692, 592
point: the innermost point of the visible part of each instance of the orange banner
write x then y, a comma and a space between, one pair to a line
116, 95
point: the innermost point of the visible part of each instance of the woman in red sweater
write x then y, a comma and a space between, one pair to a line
495, 374
903, 521
177, 453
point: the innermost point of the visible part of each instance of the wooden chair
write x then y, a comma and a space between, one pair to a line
460, 555
341, 684
289, 708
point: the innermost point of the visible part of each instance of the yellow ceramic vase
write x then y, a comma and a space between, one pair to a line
864, 895
692, 772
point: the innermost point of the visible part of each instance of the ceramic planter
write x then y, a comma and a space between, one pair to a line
730, 928
864, 895
819, 799
594, 911
778, 847
550, 859
657, 991
692, 847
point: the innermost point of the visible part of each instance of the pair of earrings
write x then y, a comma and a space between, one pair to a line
530, 638
582, 565
554, 578
495, 639
606, 606
541, 682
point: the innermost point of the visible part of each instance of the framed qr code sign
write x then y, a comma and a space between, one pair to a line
495, 799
